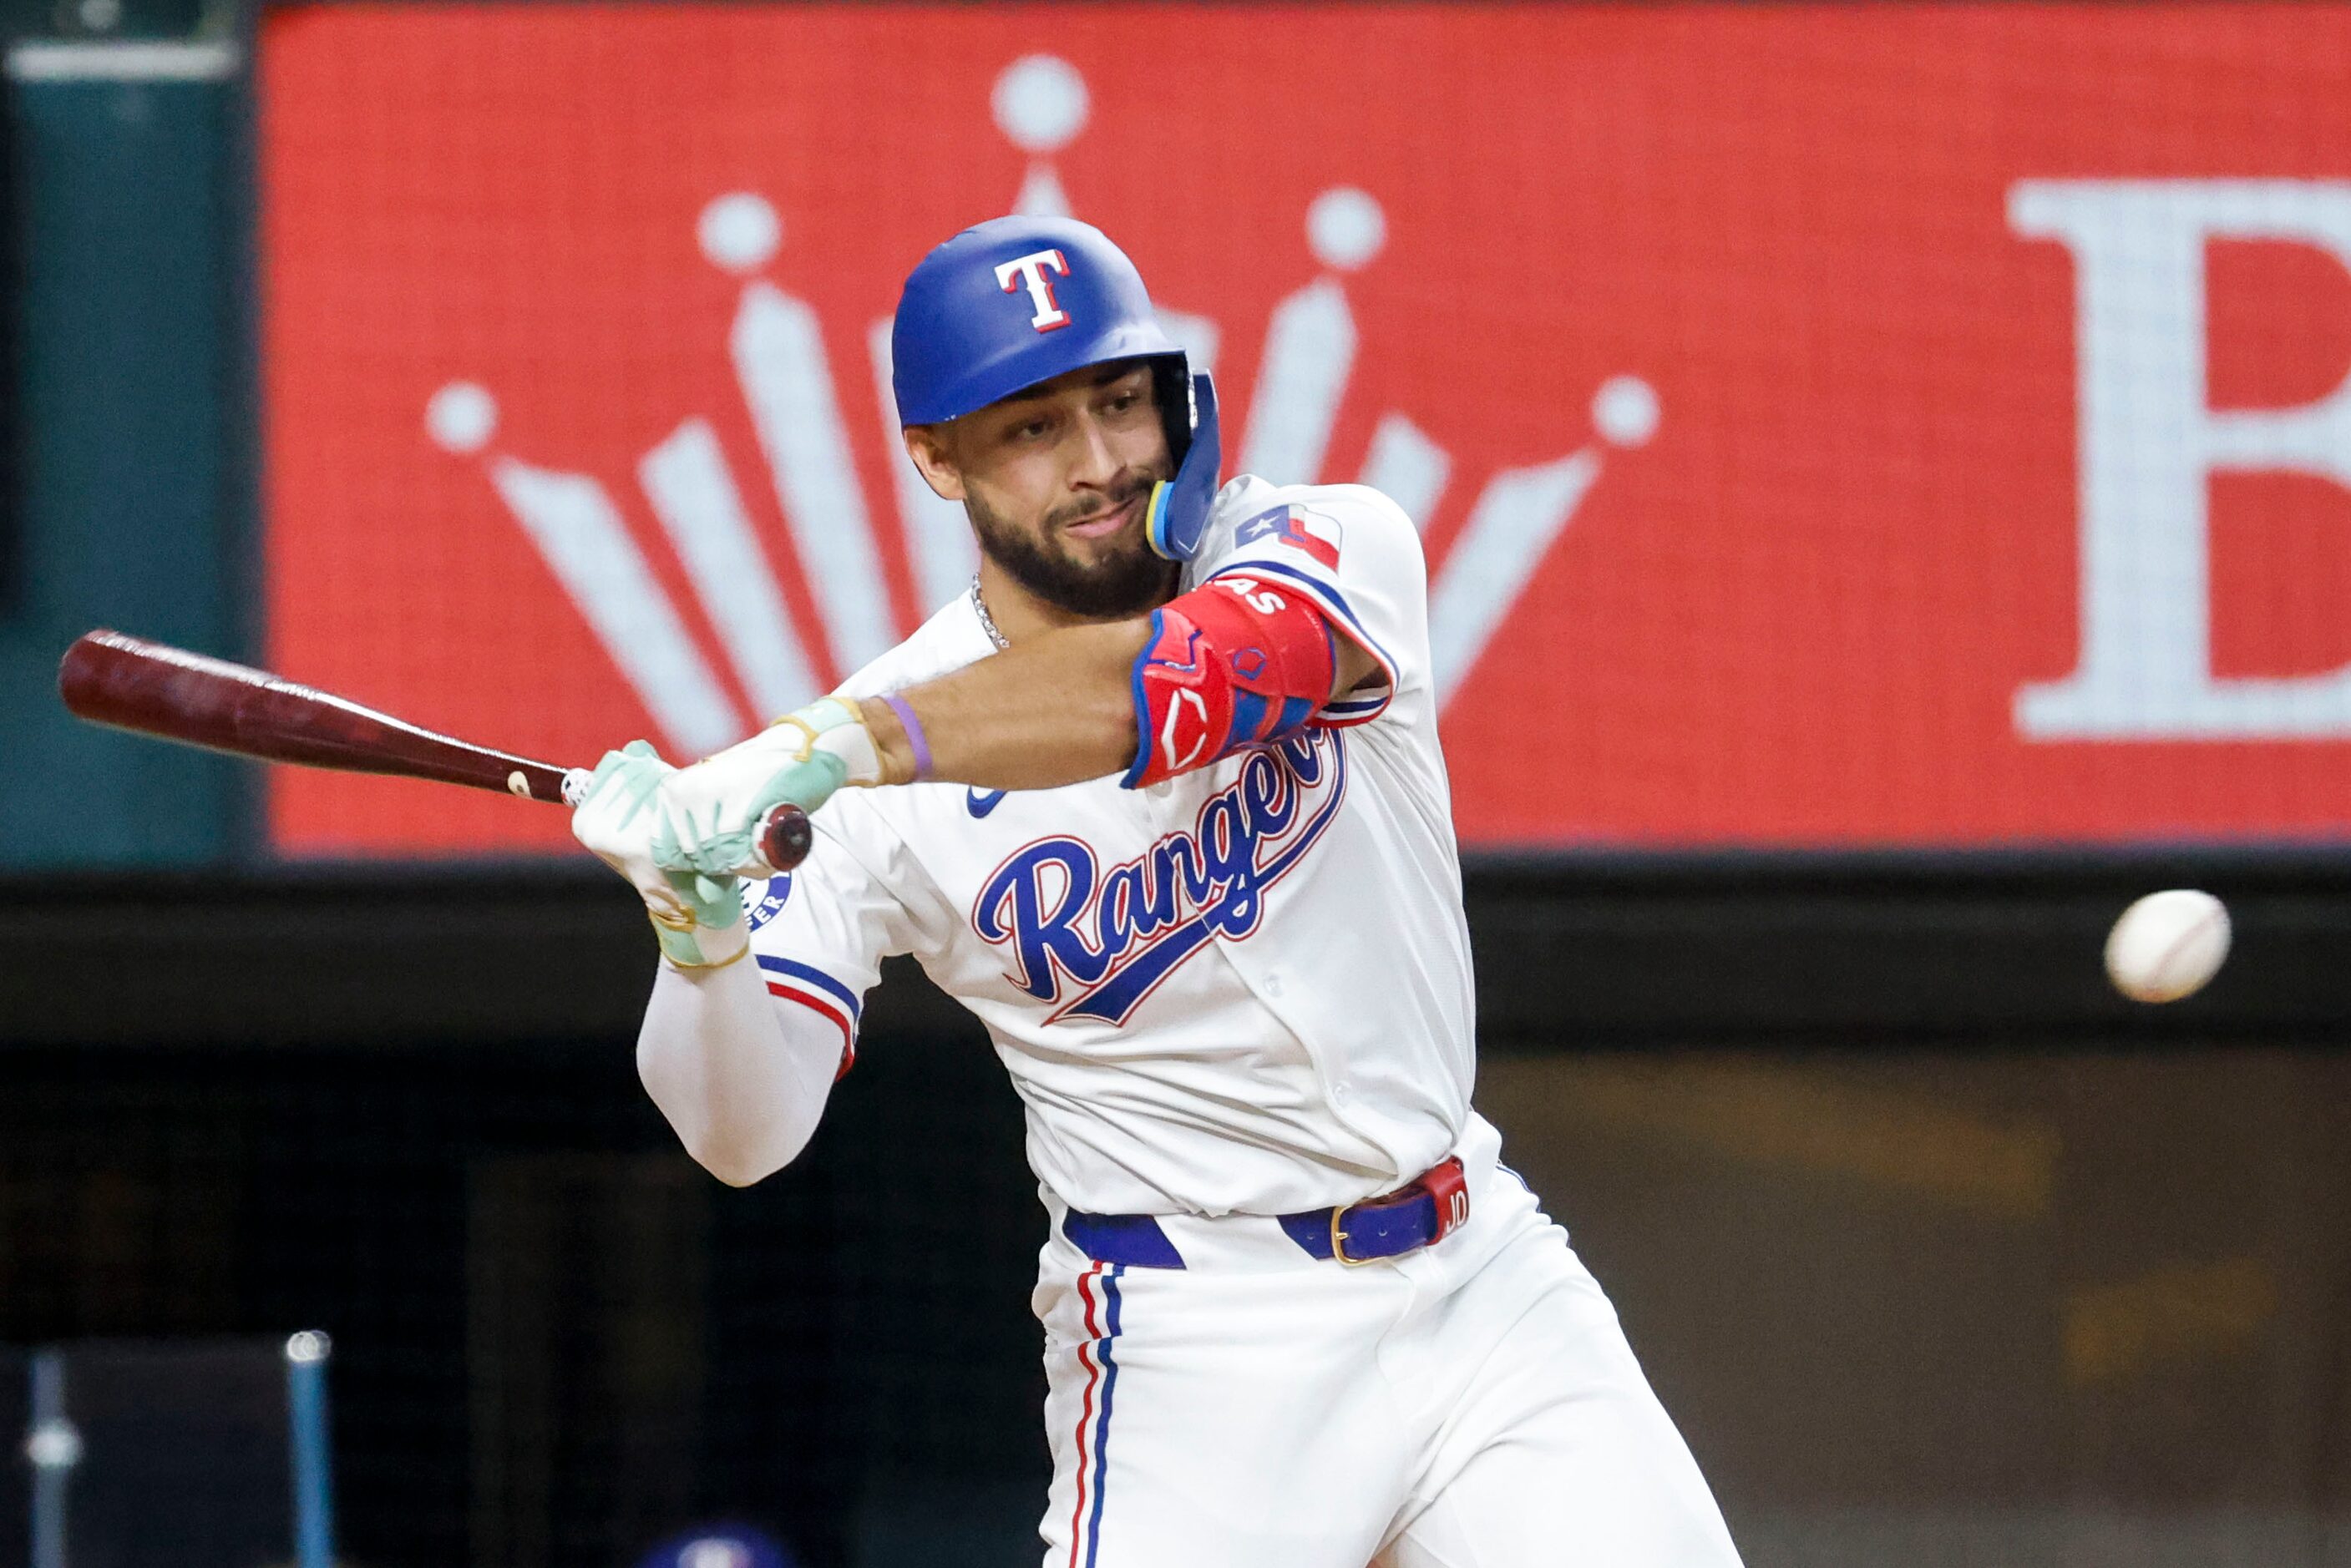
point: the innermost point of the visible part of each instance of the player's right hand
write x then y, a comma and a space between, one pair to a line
699, 918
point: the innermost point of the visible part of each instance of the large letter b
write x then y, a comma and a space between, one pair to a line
2149, 440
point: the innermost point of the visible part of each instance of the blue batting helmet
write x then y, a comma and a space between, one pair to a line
1012, 302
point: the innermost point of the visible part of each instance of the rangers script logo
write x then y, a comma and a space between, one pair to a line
1114, 935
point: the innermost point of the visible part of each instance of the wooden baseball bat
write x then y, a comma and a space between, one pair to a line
152, 689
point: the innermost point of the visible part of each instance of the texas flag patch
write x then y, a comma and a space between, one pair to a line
1302, 530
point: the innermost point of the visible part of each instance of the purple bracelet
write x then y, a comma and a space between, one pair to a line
914, 736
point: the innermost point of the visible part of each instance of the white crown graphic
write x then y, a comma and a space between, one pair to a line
795, 405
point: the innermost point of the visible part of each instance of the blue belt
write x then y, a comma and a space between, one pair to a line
1420, 1213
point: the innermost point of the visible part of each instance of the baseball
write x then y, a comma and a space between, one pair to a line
2168, 945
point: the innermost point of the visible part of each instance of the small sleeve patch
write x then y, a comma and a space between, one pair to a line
763, 901
1315, 537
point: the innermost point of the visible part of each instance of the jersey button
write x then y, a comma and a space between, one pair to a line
1273, 985
1339, 1091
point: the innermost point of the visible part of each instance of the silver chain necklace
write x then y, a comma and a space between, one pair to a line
987, 622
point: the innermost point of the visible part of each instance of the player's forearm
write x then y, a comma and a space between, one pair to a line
1056, 710
742, 1088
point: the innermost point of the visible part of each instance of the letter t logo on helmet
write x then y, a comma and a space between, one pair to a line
1028, 271
955, 347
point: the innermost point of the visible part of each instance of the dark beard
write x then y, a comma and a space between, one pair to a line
1126, 584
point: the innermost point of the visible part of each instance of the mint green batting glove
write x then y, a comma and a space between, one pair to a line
697, 919
716, 904
709, 814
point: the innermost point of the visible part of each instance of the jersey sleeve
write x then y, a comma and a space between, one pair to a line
818, 934
1354, 555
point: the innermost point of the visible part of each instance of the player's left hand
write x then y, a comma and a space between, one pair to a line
708, 816
699, 918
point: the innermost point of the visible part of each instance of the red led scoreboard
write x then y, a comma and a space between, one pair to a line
1884, 425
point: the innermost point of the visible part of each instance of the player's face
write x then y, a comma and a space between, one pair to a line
1056, 480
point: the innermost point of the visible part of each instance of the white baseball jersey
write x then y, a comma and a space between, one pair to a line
1244, 990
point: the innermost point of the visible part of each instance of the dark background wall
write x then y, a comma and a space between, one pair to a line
1931, 1243
129, 505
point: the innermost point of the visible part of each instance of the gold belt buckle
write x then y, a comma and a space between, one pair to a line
1338, 1243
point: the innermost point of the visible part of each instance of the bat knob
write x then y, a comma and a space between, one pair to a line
785, 837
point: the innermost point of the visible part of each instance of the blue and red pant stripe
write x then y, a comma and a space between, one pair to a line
1098, 1289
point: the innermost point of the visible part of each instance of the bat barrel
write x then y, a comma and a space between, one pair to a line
150, 688
129, 683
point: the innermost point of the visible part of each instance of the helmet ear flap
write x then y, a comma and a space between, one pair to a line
1177, 514
1171, 384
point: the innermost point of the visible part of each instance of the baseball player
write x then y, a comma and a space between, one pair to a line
1160, 799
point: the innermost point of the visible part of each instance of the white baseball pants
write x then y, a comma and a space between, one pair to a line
1473, 1405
